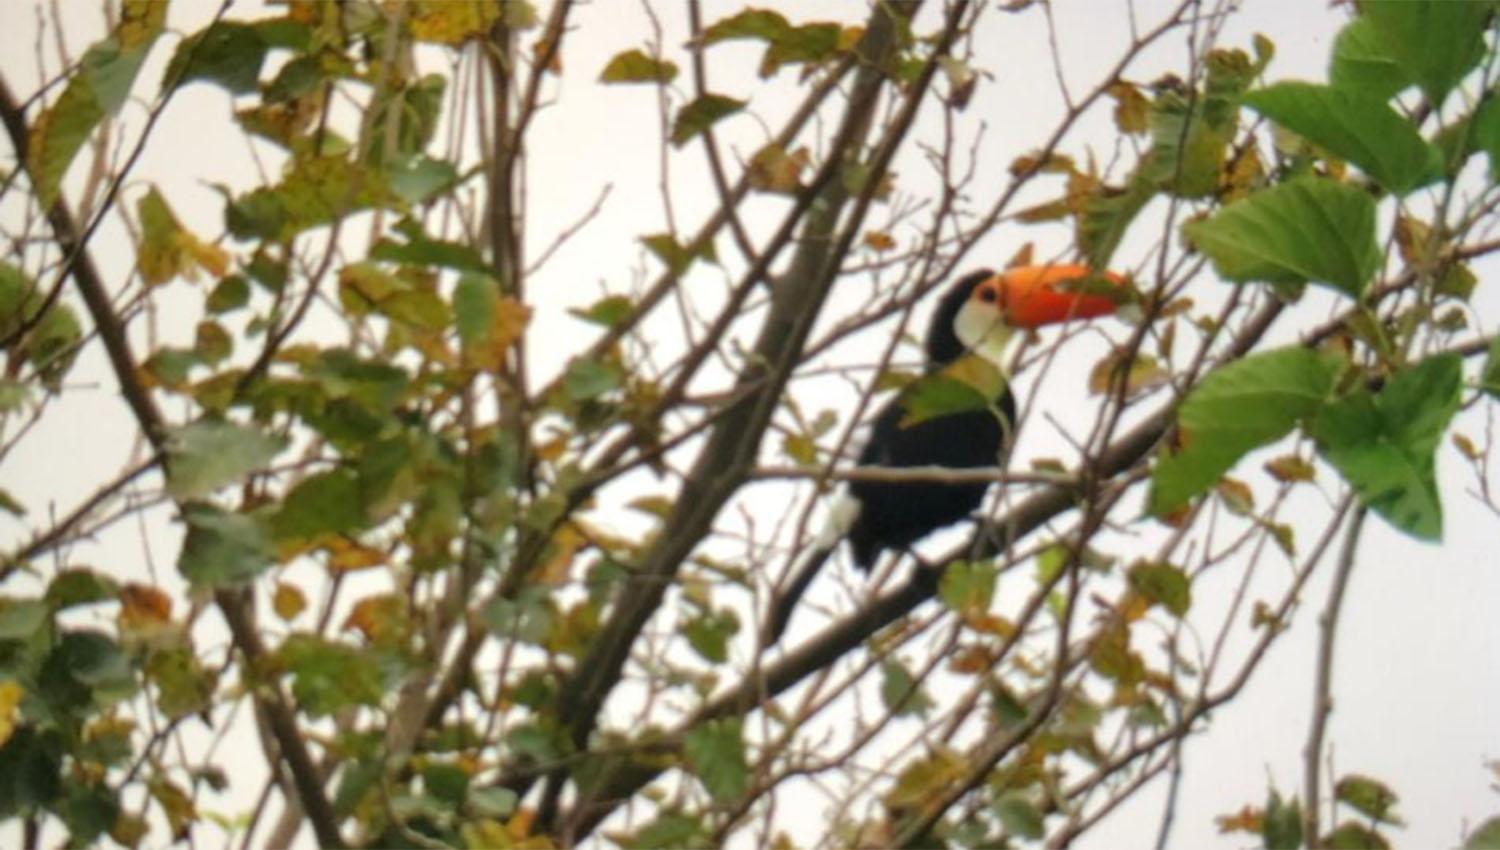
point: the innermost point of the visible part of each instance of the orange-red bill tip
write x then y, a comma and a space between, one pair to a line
1034, 296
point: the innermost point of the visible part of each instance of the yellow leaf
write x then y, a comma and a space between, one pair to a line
288, 601
772, 169
10, 698
1022, 256
345, 555
451, 21
140, 22
1132, 110
565, 544
143, 607
1290, 468
879, 240
379, 618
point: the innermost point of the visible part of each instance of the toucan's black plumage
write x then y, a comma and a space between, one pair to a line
894, 515
978, 314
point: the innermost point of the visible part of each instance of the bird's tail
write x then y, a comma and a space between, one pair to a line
779, 614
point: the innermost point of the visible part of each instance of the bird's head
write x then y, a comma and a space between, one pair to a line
984, 309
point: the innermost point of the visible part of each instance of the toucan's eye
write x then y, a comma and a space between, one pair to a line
988, 295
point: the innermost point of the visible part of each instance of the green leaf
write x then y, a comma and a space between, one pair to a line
1281, 825
1307, 229
966, 385
326, 503
1163, 584
1368, 796
759, 24
80, 586
716, 751
230, 293
634, 66
1384, 444
1486, 132
670, 829
1486, 836
211, 453
1354, 126
20, 619
1247, 404
529, 618
328, 676
1187, 150
1435, 42
474, 299
1489, 379
221, 547
1019, 816
183, 686
418, 178
227, 53
1360, 62
1353, 836
608, 311
588, 379
968, 587
422, 251
899, 691
701, 114
1105, 218
710, 632
58, 134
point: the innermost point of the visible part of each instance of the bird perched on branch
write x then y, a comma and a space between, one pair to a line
959, 415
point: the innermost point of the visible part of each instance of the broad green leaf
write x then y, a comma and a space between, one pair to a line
760, 24
589, 379
1368, 796
228, 53
1435, 42
716, 751
900, 692
967, 385
20, 619
968, 587
634, 66
230, 293
1354, 126
328, 676
608, 311
1489, 379
1247, 404
1019, 815
1187, 151
1307, 229
183, 685
1360, 62
1486, 132
418, 178
1353, 836
80, 586
1105, 218
211, 453
1163, 584
709, 634
1383, 444
421, 251
326, 503
222, 547
530, 617
101, 85
701, 114
1486, 836
670, 829
1281, 825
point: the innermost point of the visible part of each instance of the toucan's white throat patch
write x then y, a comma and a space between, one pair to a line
981, 329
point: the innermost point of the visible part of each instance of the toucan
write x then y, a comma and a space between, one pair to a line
977, 317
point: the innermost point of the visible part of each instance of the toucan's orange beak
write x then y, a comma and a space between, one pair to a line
1033, 296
